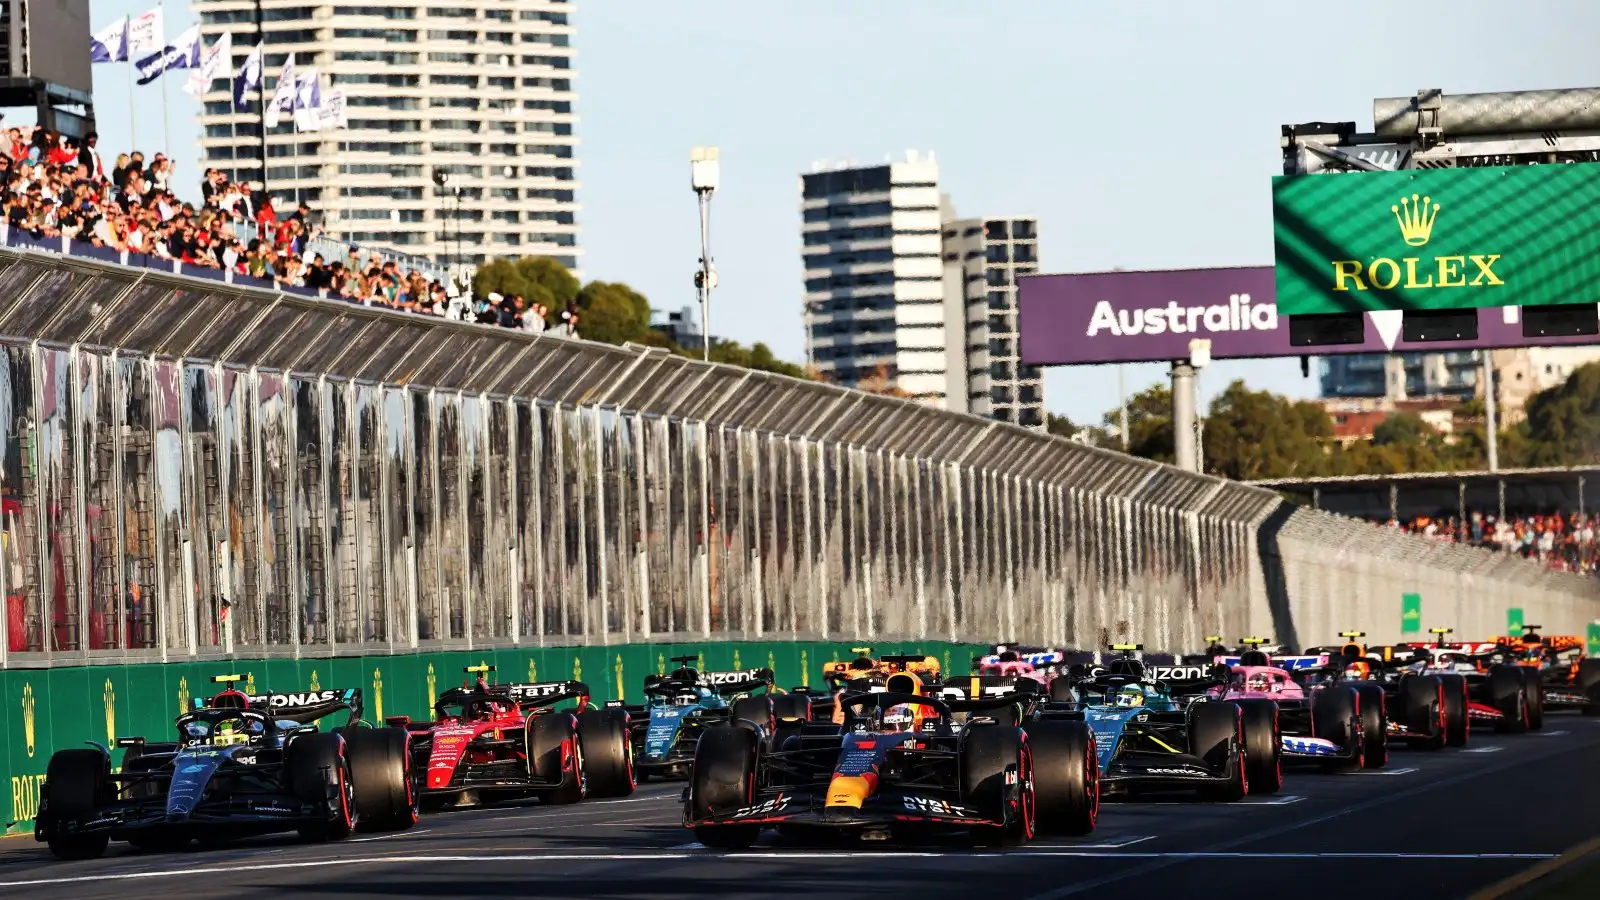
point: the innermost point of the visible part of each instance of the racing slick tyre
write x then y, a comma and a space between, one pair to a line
317, 768
1508, 693
723, 779
607, 752
1422, 705
1533, 683
77, 782
1263, 746
1336, 716
1588, 681
758, 710
380, 768
991, 786
1374, 710
1061, 691
556, 756
1066, 776
1216, 736
1455, 710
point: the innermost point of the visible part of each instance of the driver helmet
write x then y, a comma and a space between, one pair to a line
686, 697
1130, 695
1358, 669
1258, 681
900, 718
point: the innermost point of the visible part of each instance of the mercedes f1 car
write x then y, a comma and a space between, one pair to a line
241, 766
897, 767
504, 741
682, 704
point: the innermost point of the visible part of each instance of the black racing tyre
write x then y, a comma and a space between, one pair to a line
1507, 692
1061, 691
607, 752
76, 783
757, 710
1533, 687
1374, 713
1422, 704
1263, 745
1336, 717
556, 755
380, 767
1455, 710
317, 767
986, 754
723, 779
1066, 776
1216, 736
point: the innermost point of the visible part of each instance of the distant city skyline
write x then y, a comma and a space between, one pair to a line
1139, 140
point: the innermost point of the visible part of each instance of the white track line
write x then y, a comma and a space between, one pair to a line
385, 837
1404, 771
1483, 750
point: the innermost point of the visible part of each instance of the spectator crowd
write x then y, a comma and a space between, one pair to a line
58, 187
1563, 541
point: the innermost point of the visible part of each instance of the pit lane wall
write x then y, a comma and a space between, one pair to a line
50, 709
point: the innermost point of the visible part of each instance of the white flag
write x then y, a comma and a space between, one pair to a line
146, 34
283, 97
307, 100
248, 79
110, 44
333, 114
182, 53
213, 65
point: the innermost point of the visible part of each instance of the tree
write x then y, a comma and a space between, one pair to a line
612, 312
1402, 428
1149, 424
1259, 434
1563, 424
537, 279
1061, 426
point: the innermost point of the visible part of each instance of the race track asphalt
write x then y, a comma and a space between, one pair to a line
1436, 825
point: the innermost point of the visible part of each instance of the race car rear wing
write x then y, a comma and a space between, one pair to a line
1290, 663
527, 695
308, 706
972, 687
739, 682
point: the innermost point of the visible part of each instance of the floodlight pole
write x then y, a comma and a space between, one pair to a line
1183, 433
1491, 438
704, 173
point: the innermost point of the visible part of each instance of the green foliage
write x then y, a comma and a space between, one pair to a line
1563, 425
537, 279
1258, 434
612, 313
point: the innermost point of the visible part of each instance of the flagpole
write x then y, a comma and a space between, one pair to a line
133, 119
166, 121
261, 89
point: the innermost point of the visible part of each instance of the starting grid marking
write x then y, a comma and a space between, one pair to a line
542, 860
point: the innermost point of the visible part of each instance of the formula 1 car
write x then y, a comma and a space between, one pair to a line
241, 766
682, 704
1327, 722
1487, 683
864, 673
1157, 729
1042, 665
1567, 680
1417, 708
504, 741
897, 767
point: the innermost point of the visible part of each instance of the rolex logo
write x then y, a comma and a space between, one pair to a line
183, 695
1416, 218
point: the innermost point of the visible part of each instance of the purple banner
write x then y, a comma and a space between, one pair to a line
1118, 317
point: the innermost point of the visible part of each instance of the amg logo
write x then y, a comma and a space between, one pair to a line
933, 807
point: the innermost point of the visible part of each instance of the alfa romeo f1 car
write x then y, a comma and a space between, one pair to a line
241, 766
502, 741
897, 767
1157, 730
682, 704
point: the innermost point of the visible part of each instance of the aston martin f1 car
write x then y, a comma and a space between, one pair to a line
1158, 731
241, 766
682, 704
504, 741
897, 767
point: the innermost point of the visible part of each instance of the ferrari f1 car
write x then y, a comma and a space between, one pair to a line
897, 767
241, 766
1157, 729
682, 704
503, 741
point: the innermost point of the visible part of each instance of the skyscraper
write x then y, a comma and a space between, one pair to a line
477, 90
982, 259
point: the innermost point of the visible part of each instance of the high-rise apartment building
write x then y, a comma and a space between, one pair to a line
874, 298
897, 285
478, 90
982, 259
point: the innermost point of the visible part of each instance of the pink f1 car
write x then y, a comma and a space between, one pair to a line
1321, 719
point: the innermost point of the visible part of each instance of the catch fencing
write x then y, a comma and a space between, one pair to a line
197, 470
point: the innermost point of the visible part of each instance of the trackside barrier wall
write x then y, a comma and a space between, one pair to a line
196, 471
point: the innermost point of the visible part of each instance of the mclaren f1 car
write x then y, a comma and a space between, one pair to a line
241, 766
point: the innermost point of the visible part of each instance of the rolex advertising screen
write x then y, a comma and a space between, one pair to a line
1431, 239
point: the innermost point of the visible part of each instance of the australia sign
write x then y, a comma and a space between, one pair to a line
1424, 239
1117, 317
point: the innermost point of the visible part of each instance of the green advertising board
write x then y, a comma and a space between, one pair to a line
1514, 621
1592, 640
1411, 614
1425, 239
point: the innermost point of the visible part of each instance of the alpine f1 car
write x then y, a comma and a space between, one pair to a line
1322, 720
1043, 665
241, 766
897, 767
682, 704
503, 741
1157, 729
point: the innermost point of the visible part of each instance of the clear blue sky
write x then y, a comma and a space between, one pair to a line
1143, 135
